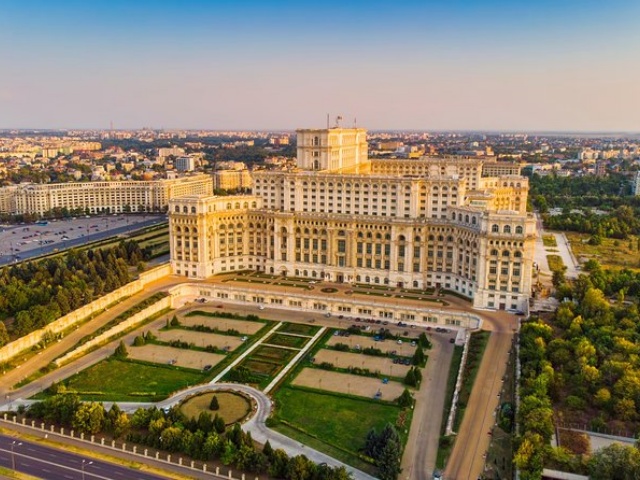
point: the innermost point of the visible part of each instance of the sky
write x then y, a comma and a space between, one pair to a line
508, 65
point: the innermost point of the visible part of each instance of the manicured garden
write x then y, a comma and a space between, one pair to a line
232, 407
129, 380
299, 329
286, 340
332, 422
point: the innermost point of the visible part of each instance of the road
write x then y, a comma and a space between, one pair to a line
54, 464
419, 459
467, 458
80, 235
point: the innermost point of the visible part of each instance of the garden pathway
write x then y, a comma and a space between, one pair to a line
294, 361
217, 378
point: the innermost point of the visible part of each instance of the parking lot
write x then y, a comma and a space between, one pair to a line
20, 242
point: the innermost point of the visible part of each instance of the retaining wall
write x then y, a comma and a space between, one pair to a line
63, 323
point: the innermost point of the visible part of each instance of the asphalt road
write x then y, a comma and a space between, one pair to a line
467, 458
53, 464
419, 459
81, 234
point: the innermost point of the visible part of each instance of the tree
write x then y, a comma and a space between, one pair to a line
389, 462
418, 357
174, 321
89, 417
615, 462
214, 405
121, 351
405, 399
4, 335
218, 424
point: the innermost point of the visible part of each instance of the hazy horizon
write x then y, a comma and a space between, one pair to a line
461, 66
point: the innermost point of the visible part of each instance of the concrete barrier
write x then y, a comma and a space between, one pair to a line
67, 321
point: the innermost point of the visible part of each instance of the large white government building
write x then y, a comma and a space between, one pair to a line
342, 217
98, 197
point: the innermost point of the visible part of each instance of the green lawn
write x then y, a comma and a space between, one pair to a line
549, 241
299, 328
446, 443
555, 263
128, 380
286, 340
334, 420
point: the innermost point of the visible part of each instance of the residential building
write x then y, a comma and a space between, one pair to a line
97, 197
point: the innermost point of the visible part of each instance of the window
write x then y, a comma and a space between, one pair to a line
519, 230
507, 229
495, 228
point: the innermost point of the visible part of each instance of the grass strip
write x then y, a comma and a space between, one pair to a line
446, 443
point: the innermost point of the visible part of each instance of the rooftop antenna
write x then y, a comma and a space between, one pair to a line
355, 122
327, 121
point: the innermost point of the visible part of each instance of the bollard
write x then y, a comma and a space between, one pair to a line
61, 430
4, 416
168, 458
52, 427
15, 419
102, 441
230, 474
81, 435
41, 425
33, 423
124, 447
192, 463
135, 449
243, 476
145, 452
24, 421
93, 438
157, 455
204, 467
71, 433
113, 444
180, 461
217, 470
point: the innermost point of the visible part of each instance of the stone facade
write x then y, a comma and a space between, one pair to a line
430, 222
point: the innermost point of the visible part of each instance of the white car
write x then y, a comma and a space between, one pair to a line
261, 307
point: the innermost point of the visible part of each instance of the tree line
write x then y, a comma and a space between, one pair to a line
581, 365
204, 438
36, 293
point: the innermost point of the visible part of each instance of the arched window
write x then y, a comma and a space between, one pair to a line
518, 254
519, 229
495, 228
193, 209
507, 229
505, 253
177, 209
494, 252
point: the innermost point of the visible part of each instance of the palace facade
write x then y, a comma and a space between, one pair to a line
341, 217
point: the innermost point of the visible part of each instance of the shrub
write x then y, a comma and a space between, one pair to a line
214, 405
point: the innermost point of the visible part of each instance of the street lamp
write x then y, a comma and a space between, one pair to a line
14, 444
84, 464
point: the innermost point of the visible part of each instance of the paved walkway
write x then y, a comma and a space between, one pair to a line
294, 361
218, 377
467, 457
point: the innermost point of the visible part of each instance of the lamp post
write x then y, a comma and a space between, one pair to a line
84, 464
14, 444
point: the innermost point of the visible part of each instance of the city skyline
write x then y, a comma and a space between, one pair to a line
463, 66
